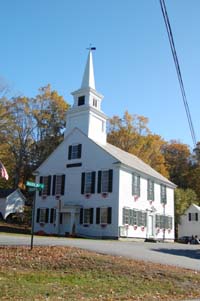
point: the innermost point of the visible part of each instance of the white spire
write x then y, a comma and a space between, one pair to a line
88, 77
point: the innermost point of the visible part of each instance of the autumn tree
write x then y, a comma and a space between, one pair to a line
50, 115
132, 134
177, 157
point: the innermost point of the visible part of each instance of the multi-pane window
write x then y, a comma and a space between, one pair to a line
86, 216
47, 185
163, 221
104, 215
125, 216
105, 181
135, 184
163, 194
74, 151
150, 190
42, 215
58, 185
88, 182
193, 216
134, 217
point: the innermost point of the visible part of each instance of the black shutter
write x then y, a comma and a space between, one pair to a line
83, 183
109, 215
41, 182
98, 216
99, 181
196, 216
110, 180
49, 186
51, 215
38, 215
189, 216
79, 151
61, 218
70, 152
91, 215
63, 185
93, 182
47, 215
54, 185
81, 215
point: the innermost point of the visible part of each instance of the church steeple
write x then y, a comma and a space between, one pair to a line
86, 111
88, 76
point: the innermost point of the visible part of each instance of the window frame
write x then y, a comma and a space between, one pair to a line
163, 194
150, 190
135, 184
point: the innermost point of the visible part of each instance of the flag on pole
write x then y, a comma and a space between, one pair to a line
3, 171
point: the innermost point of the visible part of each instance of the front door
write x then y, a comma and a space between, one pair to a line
150, 226
65, 223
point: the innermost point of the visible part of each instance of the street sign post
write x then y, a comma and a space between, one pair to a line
33, 187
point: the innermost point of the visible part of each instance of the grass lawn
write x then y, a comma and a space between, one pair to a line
63, 273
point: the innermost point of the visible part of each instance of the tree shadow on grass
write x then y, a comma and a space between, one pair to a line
193, 253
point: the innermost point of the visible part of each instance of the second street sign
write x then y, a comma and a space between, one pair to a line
33, 184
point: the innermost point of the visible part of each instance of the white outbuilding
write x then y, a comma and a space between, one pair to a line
94, 189
190, 222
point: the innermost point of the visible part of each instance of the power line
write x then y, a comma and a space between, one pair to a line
178, 70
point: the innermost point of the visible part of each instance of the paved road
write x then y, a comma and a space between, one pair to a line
186, 256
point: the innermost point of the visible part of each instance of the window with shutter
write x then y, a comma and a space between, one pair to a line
43, 215
150, 190
52, 216
104, 215
135, 184
74, 151
163, 194
105, 181
88, 182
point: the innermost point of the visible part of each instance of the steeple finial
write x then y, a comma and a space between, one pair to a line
88, 77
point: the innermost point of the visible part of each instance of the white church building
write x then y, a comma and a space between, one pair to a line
94, 189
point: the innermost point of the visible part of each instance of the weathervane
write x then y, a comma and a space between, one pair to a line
91, 48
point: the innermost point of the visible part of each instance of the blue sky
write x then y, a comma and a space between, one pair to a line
45, 41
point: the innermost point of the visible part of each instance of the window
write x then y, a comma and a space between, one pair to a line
134, 217
150, 190
105, 181
193, 216
42, 215
81, 100
163, 194
125, 216
104, 215
58, 185
52, 216
95, 102
47, 185
163, 221
86, 216
135, 184
88, 182
74, 151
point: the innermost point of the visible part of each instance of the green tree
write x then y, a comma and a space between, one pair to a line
183, 199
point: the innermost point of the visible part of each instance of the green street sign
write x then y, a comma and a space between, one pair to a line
33, 184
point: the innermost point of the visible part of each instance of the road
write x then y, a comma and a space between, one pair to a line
185, 256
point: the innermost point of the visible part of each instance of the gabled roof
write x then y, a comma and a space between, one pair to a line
194, 205
134, 162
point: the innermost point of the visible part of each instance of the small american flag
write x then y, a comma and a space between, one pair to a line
3, 171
